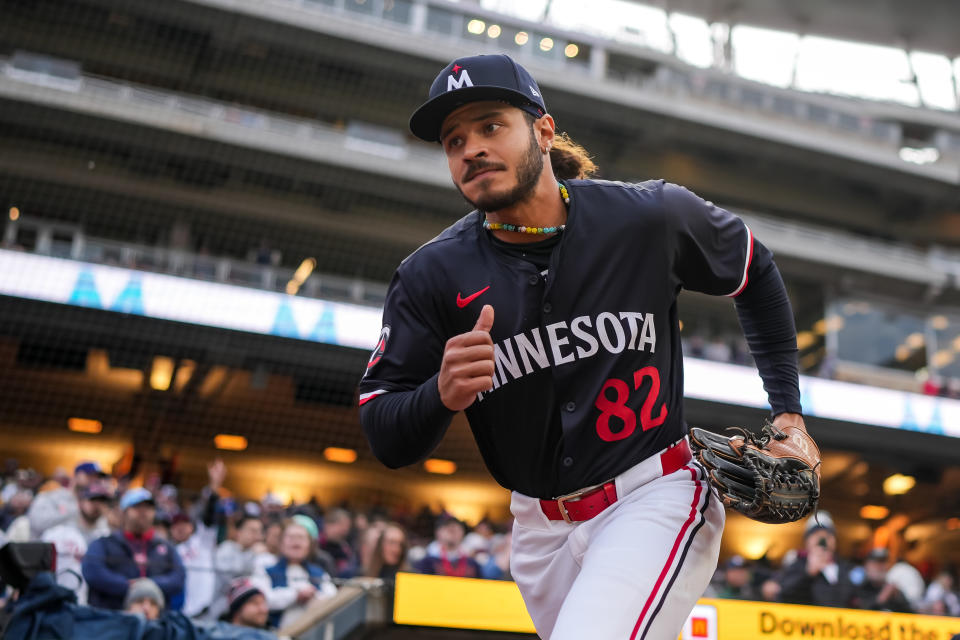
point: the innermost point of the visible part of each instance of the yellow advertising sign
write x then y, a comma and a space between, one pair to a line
467, 603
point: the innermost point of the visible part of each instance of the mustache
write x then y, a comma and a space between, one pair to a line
479, 166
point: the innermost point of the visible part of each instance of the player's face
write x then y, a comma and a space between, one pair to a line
493, 154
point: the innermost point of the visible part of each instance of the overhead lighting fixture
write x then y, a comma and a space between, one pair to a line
902, 352
161, 373
915, 340
571, 50
14, 213
300, 275
953, 524
84, 425
494, 31
336, 454
939, 322
476, 27
874, 512
521, 38
546, 44
229, 442
921, 155
438, 465
898, 484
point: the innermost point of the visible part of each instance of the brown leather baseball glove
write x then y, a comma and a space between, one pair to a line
773, 477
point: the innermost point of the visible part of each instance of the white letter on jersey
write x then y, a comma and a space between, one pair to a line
464, 81
583, 335
648, 334
511, 364
632, 318
617, 329
528, 350
556, 343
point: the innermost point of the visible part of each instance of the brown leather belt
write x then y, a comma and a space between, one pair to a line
586, 503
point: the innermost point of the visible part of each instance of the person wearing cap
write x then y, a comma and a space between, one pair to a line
736, 580
549, 316
60, 504
247, 605
445, 554
295, 580
144, 598
817, 576
113, 562
874, 591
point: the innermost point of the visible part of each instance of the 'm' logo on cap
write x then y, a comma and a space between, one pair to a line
464, 81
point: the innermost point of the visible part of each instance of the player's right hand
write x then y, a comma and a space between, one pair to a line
468, 365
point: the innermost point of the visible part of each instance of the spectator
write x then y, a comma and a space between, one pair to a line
908, 580
940, 599
292, 583
144, 598
497, 563
336, 529
390, 554
197, 543
236, 558
875, 592
272, 535
61, 504
248, 605
817, 577
481, 539
13, 517
113, 562
736, 582
445, 557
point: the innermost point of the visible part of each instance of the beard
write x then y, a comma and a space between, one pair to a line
527, 175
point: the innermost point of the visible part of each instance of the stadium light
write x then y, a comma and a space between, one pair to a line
546, 44
494, 31
336, 454
923, 155
229, 442
805, 340
898, 484
14, 213
874, 512
942, 358
84, 425
476, 27
521, 38
438, 465
571, 50
915, 340
939, 322
161, 373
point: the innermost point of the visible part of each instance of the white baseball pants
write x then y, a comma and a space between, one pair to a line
634, 571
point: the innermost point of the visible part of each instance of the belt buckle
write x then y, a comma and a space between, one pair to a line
576, 495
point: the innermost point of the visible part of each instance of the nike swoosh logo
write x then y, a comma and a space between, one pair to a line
462, 302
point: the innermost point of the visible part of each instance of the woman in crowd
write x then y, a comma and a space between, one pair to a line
390, 553
294, 581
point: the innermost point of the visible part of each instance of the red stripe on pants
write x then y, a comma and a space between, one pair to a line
673, 552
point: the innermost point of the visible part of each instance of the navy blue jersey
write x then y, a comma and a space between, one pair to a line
589, 370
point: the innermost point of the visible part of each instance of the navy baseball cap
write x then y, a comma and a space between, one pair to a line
472, 79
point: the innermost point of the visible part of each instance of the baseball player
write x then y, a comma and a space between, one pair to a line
549, 315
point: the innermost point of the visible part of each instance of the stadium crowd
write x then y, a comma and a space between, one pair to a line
260, 564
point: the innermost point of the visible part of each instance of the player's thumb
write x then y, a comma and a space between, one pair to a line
485, 321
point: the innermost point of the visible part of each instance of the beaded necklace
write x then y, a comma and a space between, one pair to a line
503, 226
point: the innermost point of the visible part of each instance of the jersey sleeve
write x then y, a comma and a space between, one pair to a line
712, 248
410, 347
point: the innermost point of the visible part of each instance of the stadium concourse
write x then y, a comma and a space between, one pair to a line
203, 202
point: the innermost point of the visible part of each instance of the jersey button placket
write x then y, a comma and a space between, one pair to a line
568, 461
547, 307
570, 406
534, 280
